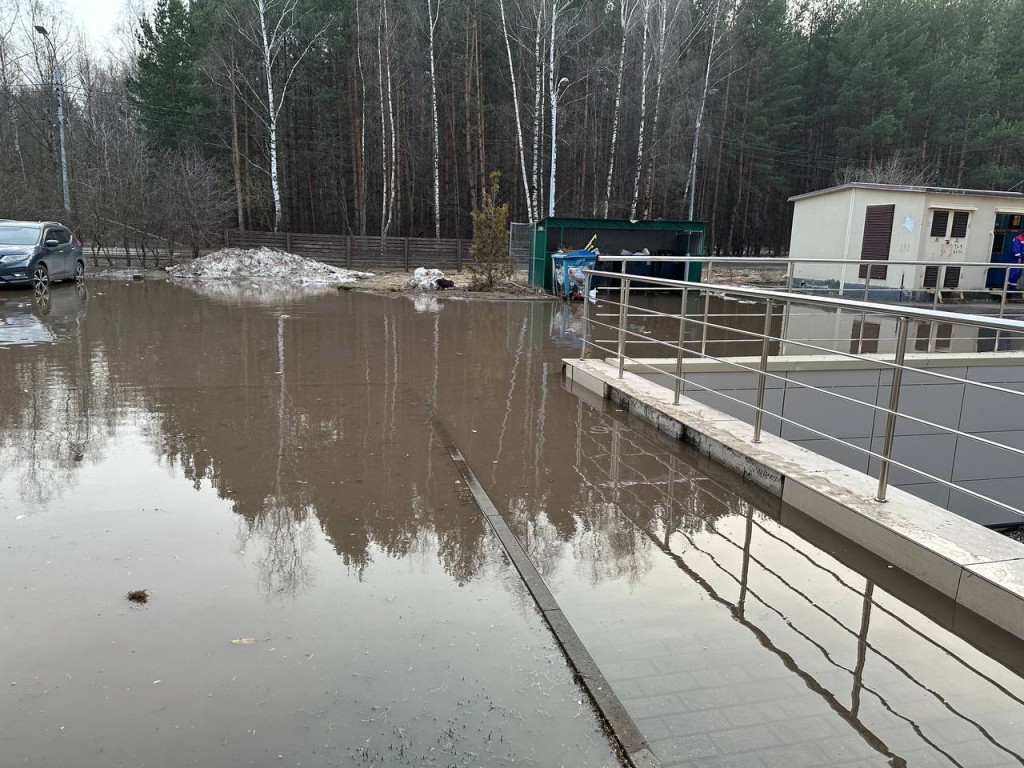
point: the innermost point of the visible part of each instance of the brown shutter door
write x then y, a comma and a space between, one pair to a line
877, 238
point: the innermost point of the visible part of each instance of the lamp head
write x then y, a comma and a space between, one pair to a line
42, 30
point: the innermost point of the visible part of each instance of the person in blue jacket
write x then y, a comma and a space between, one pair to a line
1018, 256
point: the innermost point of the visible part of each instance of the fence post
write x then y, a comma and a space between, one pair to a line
288, 241
405, 248
458, 255
679, 349
894, 401
348, 251
759, 413
227, 238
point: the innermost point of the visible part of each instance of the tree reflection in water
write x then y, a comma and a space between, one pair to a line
313, 417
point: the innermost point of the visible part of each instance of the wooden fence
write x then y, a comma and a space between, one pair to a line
359, 252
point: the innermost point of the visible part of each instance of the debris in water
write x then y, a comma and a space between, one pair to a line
243, 641
140, 596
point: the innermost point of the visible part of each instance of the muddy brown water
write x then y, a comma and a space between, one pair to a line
323, 591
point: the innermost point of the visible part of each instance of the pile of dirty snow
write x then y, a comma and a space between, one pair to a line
264, 263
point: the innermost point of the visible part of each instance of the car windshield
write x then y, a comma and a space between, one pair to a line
18, 235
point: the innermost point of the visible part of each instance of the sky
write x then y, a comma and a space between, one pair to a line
97, 18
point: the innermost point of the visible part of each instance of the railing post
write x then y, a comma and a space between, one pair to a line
1002, 305
789, 275
623, 318
894, 401
704, 326
679, 349
762, 369
586, 315
867, 284
938, 281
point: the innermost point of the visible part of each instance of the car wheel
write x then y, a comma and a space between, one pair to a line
41, 277
79, 271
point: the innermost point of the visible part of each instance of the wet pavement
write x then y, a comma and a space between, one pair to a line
324, 591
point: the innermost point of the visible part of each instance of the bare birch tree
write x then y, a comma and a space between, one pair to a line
553, 93
433, 14
528, 189
644, 69
277, 27
626, 10
691, 186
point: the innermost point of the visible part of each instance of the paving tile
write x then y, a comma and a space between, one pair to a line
849, 746
723, 675
745, 739
697, 722
677, 682
803, 729
654, 706
684, 747
805, 755
654, 728
629, 668
748, 760
754, 713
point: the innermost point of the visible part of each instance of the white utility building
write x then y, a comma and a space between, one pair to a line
865, 225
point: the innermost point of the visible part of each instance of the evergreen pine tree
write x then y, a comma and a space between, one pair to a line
490, 262
165, 87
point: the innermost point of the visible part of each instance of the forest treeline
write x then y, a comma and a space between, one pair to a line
387, 116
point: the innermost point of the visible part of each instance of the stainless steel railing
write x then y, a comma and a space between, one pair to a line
617, 289
788, 267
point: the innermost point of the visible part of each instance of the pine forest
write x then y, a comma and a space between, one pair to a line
370, 117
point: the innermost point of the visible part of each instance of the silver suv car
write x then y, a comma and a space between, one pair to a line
39, 252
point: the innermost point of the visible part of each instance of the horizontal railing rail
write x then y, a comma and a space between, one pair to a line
863, 284
627, 322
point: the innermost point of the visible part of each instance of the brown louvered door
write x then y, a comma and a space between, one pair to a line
877, 238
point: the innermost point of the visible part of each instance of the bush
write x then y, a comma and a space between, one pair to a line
490, 262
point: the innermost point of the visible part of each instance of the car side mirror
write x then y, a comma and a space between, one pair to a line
52, 243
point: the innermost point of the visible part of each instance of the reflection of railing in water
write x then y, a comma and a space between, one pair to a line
618, 298
633, 498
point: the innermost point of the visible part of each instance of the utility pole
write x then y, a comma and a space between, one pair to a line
58, 90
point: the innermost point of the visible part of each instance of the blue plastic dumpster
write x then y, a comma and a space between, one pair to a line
568, 280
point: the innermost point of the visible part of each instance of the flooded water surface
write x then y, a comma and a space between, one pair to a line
323, 591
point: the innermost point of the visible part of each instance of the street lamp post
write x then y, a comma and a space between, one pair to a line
58, 90
554, 143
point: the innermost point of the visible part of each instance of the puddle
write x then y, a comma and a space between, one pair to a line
265, 467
